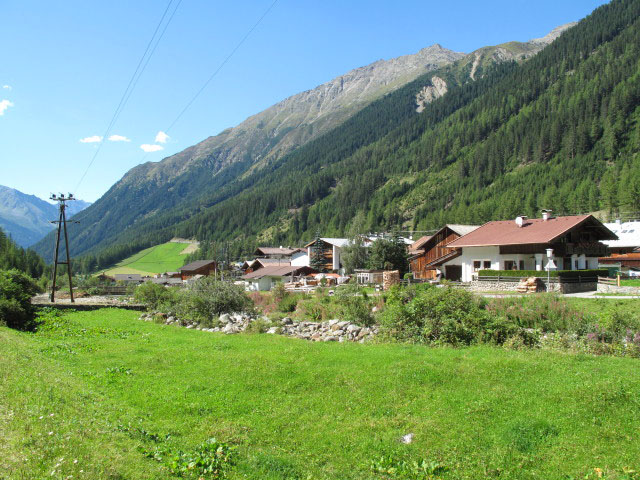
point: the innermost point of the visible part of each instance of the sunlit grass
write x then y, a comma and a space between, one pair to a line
298, 409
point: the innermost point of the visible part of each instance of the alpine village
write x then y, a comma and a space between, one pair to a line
425, 268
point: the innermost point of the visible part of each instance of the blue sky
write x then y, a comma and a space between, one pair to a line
64, 66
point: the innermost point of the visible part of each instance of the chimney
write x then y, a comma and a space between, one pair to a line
546, 215
520, 220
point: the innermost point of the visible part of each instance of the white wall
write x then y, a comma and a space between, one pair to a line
300, 259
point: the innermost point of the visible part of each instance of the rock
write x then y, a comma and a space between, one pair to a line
273, 330
225, 318
229, 329
330, 339
408, 438
286, 321
343, 323
332, 322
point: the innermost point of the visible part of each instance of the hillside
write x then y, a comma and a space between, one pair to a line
297, 409
167, 257
170, 191
27, 218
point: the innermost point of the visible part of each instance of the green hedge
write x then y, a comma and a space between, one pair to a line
542, 274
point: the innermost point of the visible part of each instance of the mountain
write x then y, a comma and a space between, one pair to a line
27, 218
555, 130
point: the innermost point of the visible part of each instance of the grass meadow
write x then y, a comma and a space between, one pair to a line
92, 393
167, 257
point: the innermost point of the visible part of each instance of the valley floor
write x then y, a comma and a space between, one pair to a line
89, 393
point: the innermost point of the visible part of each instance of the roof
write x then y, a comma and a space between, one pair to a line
628, 234
418, 244
462, 229
534, 231
128, 276
197, 265
275, 251
635, 257
277, 271
338, 242
267, 262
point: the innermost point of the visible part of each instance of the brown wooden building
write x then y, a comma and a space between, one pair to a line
199, 267
428, 253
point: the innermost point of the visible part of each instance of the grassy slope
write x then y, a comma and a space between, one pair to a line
166, 257
305, 410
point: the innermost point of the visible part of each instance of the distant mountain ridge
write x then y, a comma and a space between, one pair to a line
26, 218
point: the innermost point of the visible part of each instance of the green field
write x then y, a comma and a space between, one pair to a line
631, 282
166, 257
91, 392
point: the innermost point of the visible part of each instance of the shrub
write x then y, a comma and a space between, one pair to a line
288, 303
355, 305
16, 290
546, 312
208, 298
152, 294
445, 316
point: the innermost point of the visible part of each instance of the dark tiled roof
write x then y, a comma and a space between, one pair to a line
196, 265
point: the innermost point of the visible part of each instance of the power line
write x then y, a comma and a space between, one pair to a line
224, 62
133, 81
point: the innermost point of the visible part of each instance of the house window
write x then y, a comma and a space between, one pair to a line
481, 264
510, 265
521, 264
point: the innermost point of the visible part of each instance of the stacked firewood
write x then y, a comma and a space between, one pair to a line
390, 278
529, 285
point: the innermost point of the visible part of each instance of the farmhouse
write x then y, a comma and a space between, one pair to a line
521, 244
264, 279
428, 254
199, 267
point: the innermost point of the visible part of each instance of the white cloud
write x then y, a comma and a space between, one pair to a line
7, 87
4, 104
118, 138
151, 148
162, 137
92, 139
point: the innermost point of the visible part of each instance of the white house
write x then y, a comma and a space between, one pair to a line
576, 242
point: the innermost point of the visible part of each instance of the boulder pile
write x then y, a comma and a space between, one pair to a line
329, 331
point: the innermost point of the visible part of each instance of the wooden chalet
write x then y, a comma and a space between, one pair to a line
429, 253
199, 267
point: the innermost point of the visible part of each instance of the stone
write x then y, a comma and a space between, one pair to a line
273, 330
330, 338
332, 322
225, 318
286, 321
406, 439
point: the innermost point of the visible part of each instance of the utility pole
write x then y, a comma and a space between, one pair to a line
62, 224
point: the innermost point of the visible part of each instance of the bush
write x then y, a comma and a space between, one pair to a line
444, 316
546, 312
288, 303
543, 273
152, 294
16, 290
208, 298
355, 305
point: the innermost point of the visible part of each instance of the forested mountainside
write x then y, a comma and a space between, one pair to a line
559, 131
14, 256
